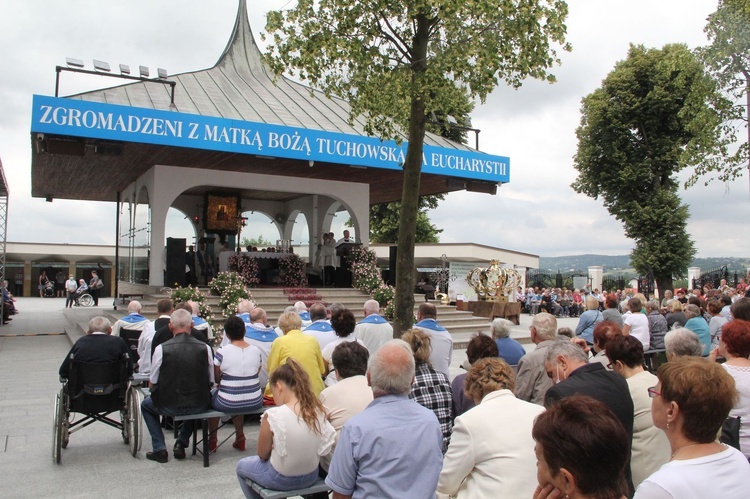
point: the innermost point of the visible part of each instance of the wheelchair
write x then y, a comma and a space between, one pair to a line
95, 391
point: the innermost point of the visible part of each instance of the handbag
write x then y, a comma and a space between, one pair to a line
730, 432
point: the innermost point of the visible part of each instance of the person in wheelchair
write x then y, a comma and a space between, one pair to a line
82, 288
181, 377
98, 346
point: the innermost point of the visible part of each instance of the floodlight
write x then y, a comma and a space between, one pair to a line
451, 120
101, 66
144, 71
73, 63
162, 73
124, 69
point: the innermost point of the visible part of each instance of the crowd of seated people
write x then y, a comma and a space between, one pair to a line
392, 411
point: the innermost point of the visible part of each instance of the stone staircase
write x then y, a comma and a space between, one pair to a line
461, 324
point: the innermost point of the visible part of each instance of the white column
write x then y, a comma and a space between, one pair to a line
596, 274
693, 273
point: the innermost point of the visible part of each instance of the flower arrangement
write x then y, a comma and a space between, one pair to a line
247, 269
384, 296
292, 272
307, 295
365, 272
189, 293
231, 288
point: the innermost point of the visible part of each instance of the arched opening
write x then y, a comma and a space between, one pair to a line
259, 230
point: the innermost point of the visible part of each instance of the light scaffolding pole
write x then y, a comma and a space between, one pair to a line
3, 238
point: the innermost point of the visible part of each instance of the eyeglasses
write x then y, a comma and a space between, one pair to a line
653, 393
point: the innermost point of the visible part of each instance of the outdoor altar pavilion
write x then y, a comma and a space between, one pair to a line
218, 142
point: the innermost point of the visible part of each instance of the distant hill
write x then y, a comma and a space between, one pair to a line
621, 263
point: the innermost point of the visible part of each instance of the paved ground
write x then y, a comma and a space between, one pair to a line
96, 461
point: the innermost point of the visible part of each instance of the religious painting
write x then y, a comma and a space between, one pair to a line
221, 212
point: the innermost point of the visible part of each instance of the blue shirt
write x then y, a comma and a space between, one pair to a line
391, 449
586, 324
699, 326
511, 351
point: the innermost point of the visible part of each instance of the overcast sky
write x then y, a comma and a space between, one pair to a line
537, 212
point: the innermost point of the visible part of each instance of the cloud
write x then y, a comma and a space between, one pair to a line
536, 212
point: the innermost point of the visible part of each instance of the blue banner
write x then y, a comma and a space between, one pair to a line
61, 116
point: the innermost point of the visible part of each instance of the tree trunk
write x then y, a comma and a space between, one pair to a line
663, 283
404, 297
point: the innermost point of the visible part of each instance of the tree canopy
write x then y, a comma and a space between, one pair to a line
728, 60
398, 62
385, 219
654, 115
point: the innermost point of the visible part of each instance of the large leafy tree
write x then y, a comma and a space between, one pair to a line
728, 60
385, 219
397, 62
654, 115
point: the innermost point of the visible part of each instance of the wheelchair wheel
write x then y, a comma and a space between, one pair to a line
58, 427
86, 300
132, 422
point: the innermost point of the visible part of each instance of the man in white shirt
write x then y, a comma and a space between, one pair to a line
319, 327
130, 328
164, 308
374, 330
441, 352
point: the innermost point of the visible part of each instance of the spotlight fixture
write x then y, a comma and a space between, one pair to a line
124, 69
162, 73
73, 63
143, 70
49, 198
102, 66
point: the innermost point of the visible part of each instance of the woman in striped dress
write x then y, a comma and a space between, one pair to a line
237, 365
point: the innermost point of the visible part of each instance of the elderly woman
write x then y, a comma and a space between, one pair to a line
668, 296
636, 323
581, 451
491, 450
611, 313
304, 348
431, 388
675, 315
697, 324
589, 319
657, 325
741, 309
690, 402
509, 349
480, 346
716, 320
682, 343
734, 345
650, 447
603, 333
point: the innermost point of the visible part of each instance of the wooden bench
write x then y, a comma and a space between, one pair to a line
318, 486
203, 417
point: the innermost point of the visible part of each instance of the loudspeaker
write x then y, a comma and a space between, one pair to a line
175, 262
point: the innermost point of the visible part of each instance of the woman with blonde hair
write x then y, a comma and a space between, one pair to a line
431, 388
675, 315
304, 348
491, 453
589, 319
292, 438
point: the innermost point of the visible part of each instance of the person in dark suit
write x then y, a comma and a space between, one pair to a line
571, 373
97, 346
164, 334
